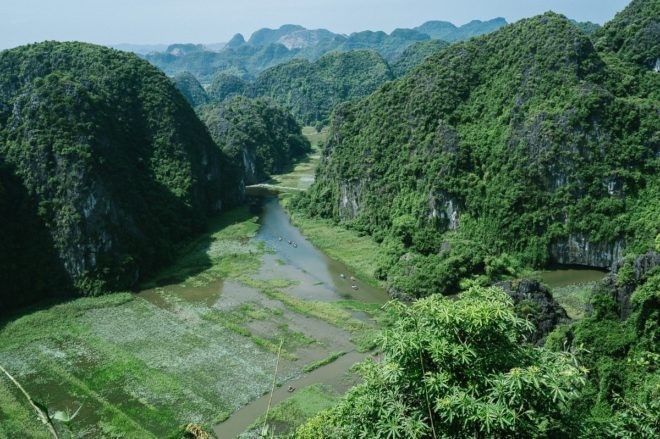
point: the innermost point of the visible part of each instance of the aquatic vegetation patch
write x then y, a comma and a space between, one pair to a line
289, 414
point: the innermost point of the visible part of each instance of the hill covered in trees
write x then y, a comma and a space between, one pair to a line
258, 136
310, 91
634, 34
415, 54
105, 168
514, 149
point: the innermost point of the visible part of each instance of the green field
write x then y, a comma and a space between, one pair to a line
197, 344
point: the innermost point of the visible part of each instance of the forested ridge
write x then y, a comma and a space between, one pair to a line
531, 145
118, 165
514, 149
257, 135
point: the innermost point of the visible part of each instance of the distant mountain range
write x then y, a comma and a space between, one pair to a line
269, 47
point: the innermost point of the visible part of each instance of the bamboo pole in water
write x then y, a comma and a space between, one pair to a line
264, 428
41, 413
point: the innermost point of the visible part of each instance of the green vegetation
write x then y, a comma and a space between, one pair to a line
456, 368
492, 155
191, 89
415, 55
285, 417
112, 163
225, 86
327, 360
310, 91
256, 134
634, 34
223, 252
622, 395
300, 173
574, 298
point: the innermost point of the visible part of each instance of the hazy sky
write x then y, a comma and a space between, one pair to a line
205, 21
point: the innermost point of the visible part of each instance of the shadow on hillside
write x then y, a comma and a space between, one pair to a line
290, 167
26, 242
193, 257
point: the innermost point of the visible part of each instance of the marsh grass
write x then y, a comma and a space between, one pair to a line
142, 369
327, 360
574, 298
292, 412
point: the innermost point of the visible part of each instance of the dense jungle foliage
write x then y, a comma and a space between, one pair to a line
415, 54
258, 136
191, 89
491, 152
101, 151
225, 86
634, 34
270, 47
487, 153
310, 91
456, 369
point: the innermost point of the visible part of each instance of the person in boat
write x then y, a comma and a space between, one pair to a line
355, 287
343, 276
295, 245
289, 241
291, 389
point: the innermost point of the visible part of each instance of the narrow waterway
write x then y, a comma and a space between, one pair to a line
295, 258
291, 256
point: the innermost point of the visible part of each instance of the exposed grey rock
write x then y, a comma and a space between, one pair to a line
547, 313
621, 291
578, 249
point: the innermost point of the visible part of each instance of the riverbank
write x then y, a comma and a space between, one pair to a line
196, 344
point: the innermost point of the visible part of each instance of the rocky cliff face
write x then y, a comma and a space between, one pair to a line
115, 160
624, 277
578, 249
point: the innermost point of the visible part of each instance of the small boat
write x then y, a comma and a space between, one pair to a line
355, 287
343, 276
291, 389
295, 245
289, 242
353, 279
279, 239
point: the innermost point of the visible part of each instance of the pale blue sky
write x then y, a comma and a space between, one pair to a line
205, 21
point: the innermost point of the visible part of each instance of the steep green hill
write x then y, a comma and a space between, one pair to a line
224, 86
191, 89
105, 155
634, 34
517, 143
260, 137
311, 90
415, 54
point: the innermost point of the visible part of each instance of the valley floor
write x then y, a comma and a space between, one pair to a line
200, 341
199, 344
